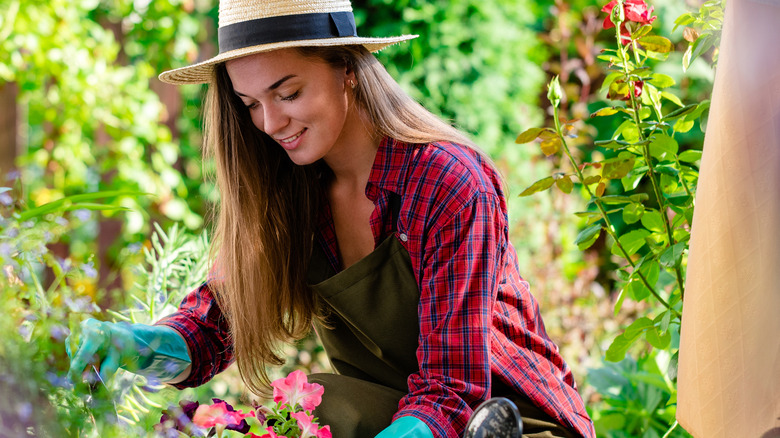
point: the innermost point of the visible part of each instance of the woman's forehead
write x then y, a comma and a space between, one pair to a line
266, 66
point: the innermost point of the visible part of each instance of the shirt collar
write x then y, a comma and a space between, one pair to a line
390, 166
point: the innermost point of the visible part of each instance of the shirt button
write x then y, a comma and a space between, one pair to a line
403, 237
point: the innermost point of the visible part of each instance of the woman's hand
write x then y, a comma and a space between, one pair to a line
155, 351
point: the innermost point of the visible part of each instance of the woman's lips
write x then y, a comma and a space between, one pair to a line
292, 142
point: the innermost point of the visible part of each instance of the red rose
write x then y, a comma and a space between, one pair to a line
634, 10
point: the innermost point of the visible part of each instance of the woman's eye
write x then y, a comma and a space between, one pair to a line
292, 96
252, 105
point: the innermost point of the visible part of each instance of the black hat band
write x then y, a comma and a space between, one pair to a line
286, 28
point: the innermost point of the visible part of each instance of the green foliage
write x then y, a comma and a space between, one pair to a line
637, 399
703, 31
39, 317
640, 184
476, 62
91, 120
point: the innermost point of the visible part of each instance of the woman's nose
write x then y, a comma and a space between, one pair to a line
273, 120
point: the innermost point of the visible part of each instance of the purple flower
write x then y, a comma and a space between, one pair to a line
59, 332
6, 199
25, 331
60, 381
179, 418
83, 215
242, 427
6, 249
13, 175
65, 264
61, 221
24, 410
89, 270
82, 304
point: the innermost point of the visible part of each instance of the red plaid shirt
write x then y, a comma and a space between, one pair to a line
477, 316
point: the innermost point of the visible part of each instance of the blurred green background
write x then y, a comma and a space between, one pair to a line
81, 110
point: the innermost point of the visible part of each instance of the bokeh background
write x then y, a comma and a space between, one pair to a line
81, 111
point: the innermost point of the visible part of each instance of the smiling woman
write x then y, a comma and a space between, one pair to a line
346, 205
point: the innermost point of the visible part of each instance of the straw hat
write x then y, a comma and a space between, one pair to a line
253, 26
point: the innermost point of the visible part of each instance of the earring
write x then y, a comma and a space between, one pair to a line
352, 84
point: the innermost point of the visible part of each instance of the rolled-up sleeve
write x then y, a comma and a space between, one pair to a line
201, 323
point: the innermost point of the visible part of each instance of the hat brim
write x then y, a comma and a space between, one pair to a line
201, 73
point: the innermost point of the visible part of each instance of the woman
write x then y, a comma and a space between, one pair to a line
346, 205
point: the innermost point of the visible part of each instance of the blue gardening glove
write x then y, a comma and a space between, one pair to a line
406, 427
154, 351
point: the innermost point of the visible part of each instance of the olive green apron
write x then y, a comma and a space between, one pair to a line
370, 334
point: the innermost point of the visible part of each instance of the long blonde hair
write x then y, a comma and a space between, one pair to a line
269, 207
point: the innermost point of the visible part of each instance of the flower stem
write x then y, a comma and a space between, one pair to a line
609, 227
636, 106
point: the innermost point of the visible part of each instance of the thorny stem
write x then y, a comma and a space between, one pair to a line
635, 106
610, 229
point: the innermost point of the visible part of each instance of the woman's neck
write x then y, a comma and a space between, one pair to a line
352, 158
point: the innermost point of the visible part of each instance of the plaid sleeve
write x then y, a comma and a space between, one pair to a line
202, 325
458, 287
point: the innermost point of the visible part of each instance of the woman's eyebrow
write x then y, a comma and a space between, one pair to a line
273, 86
278, 83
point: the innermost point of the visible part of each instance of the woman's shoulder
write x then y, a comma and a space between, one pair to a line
453, 168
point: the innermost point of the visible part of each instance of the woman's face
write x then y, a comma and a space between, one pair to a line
301, 102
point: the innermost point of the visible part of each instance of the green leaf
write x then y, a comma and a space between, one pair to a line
666, 319
631, 181
658, 340
619, 301
617, 350
637, 290
588, 236
671, 256
703, 43
656, 43
684, 19
632, 241
683, 125
633, 212
679, 112
661, 80
551, 145
618, 167
672, 98
606, 111
593, 179
662, 145
690, 156
613, 199
565, 184
530, 135
538, 186
628, 130
613, 144
611, 77
75, 202
651, 270
653, 221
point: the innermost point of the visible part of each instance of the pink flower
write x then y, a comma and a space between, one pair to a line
270, 434
296, 390
310, 429
220, 413
634, 10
